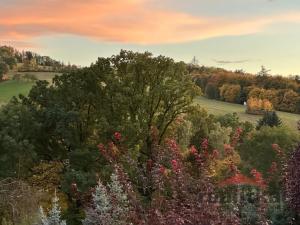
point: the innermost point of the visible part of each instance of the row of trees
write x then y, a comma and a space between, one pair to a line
122, 142
7, 60
28, 61
238, 87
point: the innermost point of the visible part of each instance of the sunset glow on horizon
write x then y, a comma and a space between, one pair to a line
231, 34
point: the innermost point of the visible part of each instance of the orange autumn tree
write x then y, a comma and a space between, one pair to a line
258, 106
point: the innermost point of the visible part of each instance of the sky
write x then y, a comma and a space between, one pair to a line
232, 34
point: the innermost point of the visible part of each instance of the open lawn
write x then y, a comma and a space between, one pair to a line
39, 75
11, 88
221, 108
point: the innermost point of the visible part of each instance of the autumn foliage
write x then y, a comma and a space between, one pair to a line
258, 106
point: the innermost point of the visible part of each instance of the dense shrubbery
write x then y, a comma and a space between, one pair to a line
121, 142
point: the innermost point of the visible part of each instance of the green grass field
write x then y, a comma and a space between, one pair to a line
11, 88
39, 75
221, 108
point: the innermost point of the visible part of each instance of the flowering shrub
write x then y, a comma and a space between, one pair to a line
181, 194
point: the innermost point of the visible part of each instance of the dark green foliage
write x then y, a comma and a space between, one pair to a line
18, 149
202, 124
229, 120
7, 55
130, 93
280, 214
298, 106
232, 120
269, 119
212, 91
7, 60
3, 69
74, 215
257, 151
243, 96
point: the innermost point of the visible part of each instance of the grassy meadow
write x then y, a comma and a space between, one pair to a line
220, 108
11, 88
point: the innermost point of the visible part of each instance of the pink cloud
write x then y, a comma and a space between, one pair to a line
129, 21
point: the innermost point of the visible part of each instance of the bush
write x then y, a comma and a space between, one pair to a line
269, 119
211, 91
230, 93
258, 151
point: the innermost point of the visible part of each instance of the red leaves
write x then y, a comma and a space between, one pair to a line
117, 136
196, 156
193, 150
204, 144
236, 136
240, 179
101, 148
258, 178
175, 166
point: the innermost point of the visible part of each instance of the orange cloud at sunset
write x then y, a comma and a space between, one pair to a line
128, 21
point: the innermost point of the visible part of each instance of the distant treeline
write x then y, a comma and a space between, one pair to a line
238, 87
27, 61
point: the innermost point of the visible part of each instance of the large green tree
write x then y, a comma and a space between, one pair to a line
132, 93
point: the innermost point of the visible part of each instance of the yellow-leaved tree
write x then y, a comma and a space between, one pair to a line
258, 106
